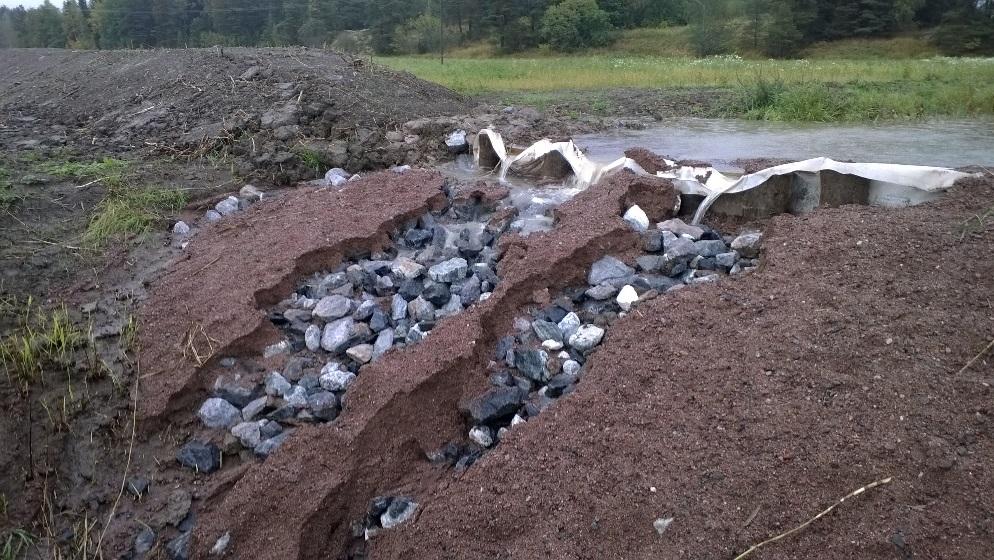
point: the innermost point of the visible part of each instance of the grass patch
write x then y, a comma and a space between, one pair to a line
869, 89
7, 195
129, 212
892, 48
39, 339
14, 544
84, 170
775, 100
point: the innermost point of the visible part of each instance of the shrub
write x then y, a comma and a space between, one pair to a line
577, 24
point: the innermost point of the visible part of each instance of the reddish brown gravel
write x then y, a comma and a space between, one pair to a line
744, 408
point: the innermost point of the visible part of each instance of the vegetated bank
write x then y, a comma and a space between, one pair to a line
822, 90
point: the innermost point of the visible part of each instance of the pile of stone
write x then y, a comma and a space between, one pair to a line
544, 359
340, 320
247, 196
385, 512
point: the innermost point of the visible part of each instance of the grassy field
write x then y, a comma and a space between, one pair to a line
808, 89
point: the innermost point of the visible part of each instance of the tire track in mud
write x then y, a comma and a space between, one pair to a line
407, 404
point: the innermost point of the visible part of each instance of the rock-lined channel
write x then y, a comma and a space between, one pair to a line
544, 358
338, 320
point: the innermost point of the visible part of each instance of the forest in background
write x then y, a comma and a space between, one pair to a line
775, 28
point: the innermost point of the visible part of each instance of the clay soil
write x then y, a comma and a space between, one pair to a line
739, 409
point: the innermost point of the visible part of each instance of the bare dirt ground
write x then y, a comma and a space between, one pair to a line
739, 409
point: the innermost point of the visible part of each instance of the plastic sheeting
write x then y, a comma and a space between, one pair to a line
890, 184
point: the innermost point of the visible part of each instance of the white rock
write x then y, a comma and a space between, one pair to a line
586, 337
571, 367
482, 436
400, 168
517, 420
661, 524
297, 397
626, 297
312, 338
569, 324
251, 193
221, 545
336, 380
181, 228
332, 307
552, 345
277, 385
212, 216
227, 206
281, 347
336, 177
407, 268
637, 218
218, 413
248, 434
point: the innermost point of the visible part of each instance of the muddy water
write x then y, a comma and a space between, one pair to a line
533, 199
946, 143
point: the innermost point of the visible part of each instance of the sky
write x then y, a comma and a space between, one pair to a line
25, 3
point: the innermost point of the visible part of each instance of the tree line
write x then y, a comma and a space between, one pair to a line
778, 28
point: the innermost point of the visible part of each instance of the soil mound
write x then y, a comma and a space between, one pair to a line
260, 105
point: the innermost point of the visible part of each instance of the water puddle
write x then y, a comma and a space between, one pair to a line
946, 143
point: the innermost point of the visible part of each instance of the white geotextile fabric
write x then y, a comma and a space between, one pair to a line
928, 179
585, 171
707, 181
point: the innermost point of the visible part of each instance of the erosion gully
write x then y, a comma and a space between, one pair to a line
539, 270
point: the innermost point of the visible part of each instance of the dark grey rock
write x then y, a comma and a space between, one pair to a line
238, 394
546, 330
470, 291
496, 404
421, 310
277, 385
378, 321
532, 363
680, 247
410, 289
453, 307
201, 457
710, 248
254, 408
266, 448
323, 405
400, 510
649, 263
748, 245
364, 311
726, 260
658, 282
652, 241
384, 341
138, 486
607, 269
504, 345
144, 542
485, 273
602, 292
437, 293
295, 315
559, 384
449, 271
269, 429
417, 238
179, 548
